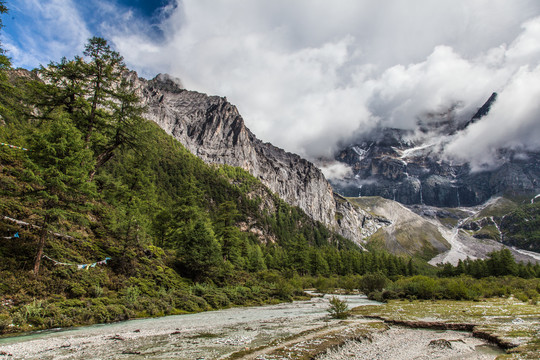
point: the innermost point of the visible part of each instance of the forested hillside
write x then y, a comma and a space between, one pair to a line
105, 217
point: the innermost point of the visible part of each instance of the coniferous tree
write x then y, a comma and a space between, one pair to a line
229, 235
255, 259
123, 129
103, 71
5, 87
391, 266
300, 255
65, 88
160, 226
319, 266
99, 98
508, 265
410, 268
3, 10
460, 268
54, 168
198, 251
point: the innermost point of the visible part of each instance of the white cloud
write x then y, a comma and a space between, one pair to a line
308, 75
336, 170
526, 47
311, 74
55, 29
513, 122
403, 95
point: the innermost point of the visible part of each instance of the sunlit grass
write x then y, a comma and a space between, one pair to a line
507, 319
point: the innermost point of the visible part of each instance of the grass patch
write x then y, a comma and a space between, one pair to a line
488, 232
506, 319
498, 208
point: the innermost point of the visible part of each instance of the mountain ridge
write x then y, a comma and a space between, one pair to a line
212, 128
411, 166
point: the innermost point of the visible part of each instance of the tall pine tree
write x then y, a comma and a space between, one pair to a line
57, 168
5, 87
99, 98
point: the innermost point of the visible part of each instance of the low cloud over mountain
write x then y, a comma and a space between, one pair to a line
310, 76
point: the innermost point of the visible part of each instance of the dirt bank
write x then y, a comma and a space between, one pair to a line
404, 343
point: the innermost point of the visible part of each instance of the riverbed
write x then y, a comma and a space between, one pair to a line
208, 335
418, 344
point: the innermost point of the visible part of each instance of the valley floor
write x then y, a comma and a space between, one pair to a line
406, 343
303, 330
508, 322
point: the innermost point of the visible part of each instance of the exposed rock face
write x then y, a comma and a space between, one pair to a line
409, 167
351, 218
211, 128
407, 233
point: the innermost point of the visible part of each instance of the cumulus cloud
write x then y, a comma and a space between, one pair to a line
513, 122
311, 75
526, 47
45, 30
336, 170
445, 81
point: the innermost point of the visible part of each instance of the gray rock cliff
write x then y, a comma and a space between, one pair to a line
408, 166
211, 128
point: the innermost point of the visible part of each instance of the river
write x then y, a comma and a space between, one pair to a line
207, 335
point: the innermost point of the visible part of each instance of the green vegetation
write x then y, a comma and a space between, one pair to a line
498, 208
5, 88
338, 308
106, 217
513, 222
100, 182
508, 321
460, 288
499, 263
499, 275
521, 227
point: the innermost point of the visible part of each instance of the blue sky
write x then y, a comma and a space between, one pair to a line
308, 75
39, 31
146, 7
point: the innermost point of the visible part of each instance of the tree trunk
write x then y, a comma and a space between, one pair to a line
42, 238
92, 115
101, 160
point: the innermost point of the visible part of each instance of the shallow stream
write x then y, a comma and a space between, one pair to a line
208, 335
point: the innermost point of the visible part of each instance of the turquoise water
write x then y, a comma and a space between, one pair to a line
208, 334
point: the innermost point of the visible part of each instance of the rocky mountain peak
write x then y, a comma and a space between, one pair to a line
212, 128
389, 162
408, 166
167, 82
484, 109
